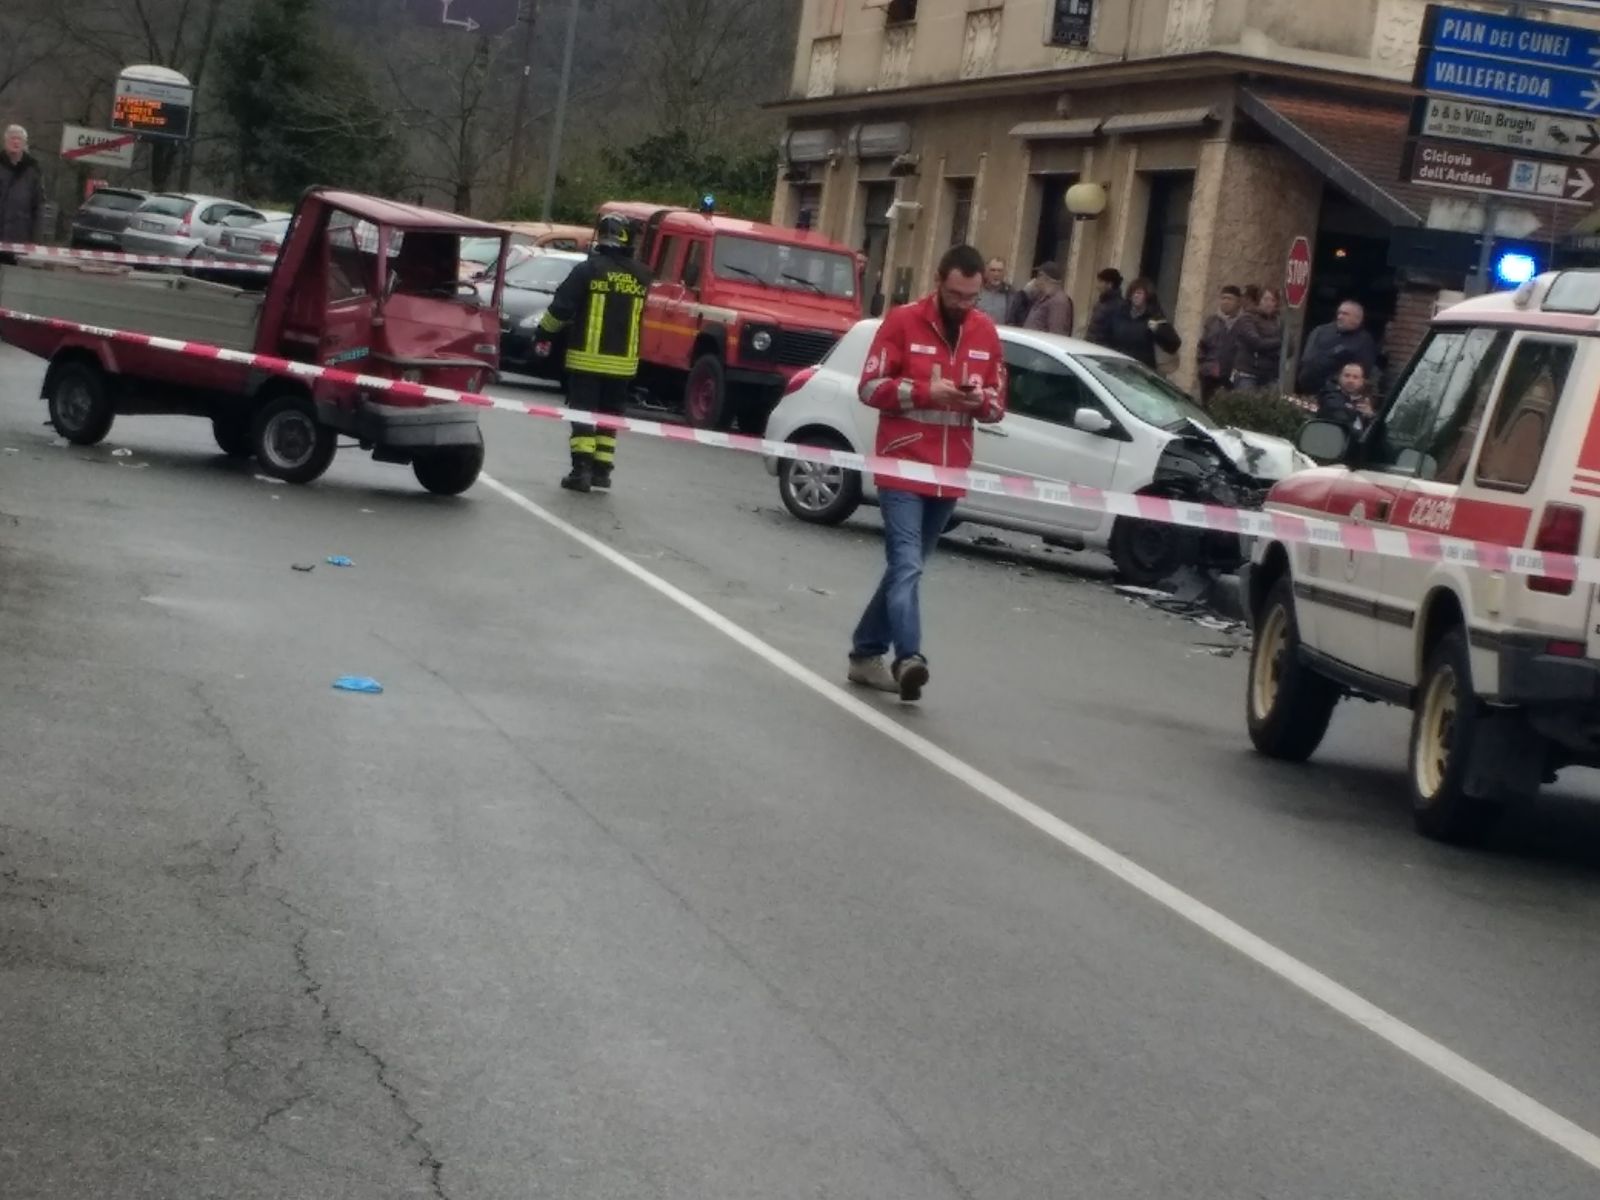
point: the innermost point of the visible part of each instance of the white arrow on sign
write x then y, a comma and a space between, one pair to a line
470, 25
1592, 95
1579, 182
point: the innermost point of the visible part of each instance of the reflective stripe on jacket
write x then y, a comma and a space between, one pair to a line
603, 300
908, 354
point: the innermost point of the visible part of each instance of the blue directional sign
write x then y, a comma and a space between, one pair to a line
1540, 43
1548, 89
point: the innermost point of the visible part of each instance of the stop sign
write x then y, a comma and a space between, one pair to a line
1297, 275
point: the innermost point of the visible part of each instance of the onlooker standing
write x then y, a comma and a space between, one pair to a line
1259, 334
994, 301
1138, 327
1052, 310
935, 367
21, 188
1219, 344
1105, 306
1330, 347
1022, 302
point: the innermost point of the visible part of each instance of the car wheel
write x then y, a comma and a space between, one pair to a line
80, 403
1147, 552
290, 443
233, 433
448, 472
819, 493
1442, 729
1288, 706
705, 393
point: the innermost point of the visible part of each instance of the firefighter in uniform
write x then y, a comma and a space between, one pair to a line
601, 305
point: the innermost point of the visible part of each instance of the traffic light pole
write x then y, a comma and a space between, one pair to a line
559, 126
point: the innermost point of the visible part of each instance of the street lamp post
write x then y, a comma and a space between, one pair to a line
559, 126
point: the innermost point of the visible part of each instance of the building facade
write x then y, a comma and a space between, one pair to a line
1220, 131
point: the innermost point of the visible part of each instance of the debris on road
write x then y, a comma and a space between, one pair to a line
305, 568
339, 560
122, 452
358, 683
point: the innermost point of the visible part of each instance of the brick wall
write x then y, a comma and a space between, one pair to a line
1413, 311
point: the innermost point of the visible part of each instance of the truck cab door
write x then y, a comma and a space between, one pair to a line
353, 283
663, 308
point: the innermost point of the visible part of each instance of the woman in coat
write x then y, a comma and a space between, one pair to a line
1259, 334
1139, 328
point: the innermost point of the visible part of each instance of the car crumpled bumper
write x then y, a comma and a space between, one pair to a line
422, 427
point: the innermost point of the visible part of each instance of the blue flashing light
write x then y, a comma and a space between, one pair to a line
1514, 268
708, 204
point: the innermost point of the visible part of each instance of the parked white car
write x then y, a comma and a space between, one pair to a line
1076, 412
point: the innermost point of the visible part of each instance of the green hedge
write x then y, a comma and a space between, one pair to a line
1260, 411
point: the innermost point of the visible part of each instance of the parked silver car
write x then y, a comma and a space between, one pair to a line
258, 243
99, 223
173, 225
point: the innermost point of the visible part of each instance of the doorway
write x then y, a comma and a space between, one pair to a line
1053, 237
1166, 234
1351, 262
876, 199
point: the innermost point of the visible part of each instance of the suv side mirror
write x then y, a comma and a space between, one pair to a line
1324, 442
1092, 420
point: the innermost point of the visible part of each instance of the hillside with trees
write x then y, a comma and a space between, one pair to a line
666, 97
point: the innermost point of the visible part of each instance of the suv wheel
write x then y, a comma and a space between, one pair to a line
819, 493
1442, 728
1288, 705
705, 394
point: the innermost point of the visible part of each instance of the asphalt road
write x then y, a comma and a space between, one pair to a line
605, 897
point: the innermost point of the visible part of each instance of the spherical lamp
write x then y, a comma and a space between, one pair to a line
1086, 201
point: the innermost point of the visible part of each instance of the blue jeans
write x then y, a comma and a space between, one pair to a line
911, 528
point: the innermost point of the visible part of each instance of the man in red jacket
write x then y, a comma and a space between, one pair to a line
934, 368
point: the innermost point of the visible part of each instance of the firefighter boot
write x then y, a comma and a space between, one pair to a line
605, 457
581, 477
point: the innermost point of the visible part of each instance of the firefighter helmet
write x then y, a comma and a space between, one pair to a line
613, 233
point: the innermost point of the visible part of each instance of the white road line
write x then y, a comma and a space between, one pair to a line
1492, 1090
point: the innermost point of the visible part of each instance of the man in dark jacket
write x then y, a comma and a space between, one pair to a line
1330, 347
1105, 307
21, 189
1219, 344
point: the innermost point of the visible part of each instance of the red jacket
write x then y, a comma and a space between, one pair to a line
908, 354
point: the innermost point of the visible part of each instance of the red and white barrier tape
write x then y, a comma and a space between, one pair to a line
1283, 527
28, 250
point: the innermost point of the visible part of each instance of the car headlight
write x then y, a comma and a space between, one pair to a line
761, 341
414, 375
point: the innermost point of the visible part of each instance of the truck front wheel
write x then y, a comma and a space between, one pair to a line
290, 443
1288, 706
448, 472
80, 403
233, 433
705, 395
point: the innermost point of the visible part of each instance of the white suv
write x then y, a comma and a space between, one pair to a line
1492, 435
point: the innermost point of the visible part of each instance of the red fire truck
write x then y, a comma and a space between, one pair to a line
736, 310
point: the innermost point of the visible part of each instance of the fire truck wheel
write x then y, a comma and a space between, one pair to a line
233, 433
80, 403
705, 395
290, 443
448, 472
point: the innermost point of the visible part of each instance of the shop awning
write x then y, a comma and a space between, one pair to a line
1077, 129
1355, 144
1158, 122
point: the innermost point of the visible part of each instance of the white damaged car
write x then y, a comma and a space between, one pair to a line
1076, 412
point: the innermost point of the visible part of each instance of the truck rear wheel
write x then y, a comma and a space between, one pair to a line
448, 472
80, 403
290, 443
705, 394
1443, 726
1288, 706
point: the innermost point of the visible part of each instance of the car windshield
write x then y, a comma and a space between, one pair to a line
1145, 394
480, 250
116, 201
540, 274
780, 265
168, 206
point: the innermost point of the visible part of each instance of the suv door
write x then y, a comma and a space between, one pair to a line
1345, 587
1038, 440
1436, 461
